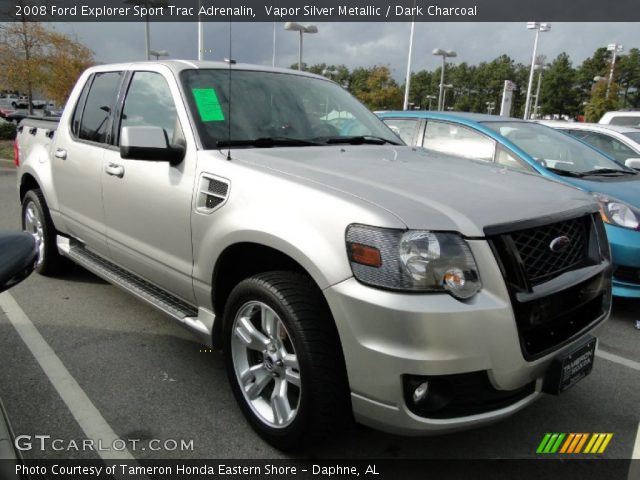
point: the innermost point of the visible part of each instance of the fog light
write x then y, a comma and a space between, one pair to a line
420, 392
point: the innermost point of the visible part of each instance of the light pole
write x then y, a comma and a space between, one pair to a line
538, 27
430, 97
159, 53
615, 48
443, 89
330, 73
297, 27
444, 54
407, 83
147, 35
542, 68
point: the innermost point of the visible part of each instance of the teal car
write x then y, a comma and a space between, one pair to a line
537, 149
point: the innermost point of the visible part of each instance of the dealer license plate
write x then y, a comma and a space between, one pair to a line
569, 369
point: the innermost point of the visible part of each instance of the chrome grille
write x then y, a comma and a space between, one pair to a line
534, 247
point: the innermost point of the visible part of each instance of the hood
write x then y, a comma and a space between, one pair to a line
425, 190
625, 188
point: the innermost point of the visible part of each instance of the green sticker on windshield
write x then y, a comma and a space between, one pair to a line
208, 105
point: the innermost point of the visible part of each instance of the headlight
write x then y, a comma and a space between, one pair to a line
615, 212
414, 260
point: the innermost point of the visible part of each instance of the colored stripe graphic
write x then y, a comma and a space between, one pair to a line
573, 443
543, 443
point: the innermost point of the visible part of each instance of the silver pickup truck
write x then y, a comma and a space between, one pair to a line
342, 273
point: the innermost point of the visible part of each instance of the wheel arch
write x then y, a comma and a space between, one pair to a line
27, 182
240, 261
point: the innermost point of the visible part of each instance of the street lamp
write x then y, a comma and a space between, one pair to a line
444, 54
330, 73
430, 97
297, 27
538, 27
147, 35
491, 107
407, 82
615, 48
542, 68
159, 53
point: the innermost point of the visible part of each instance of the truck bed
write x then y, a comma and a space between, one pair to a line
35, 130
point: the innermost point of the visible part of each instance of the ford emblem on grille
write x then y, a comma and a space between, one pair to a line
559, 244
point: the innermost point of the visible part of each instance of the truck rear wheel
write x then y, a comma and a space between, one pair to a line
37, 221
284, 359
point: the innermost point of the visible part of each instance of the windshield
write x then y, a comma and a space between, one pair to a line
554, 149
277, 109
635, 136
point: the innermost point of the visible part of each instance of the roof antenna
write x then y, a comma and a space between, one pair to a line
230, 61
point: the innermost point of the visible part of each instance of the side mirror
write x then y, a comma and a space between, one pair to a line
18, 255
633, 163
149, 143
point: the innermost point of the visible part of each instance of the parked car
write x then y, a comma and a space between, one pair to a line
619, 142
629, 118
18, 255
314, 248
534, 148
17, 116
4, 112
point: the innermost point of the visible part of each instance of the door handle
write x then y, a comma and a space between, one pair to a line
61, 154
115, 170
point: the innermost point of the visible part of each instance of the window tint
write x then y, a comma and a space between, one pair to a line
405, 128
508, 159
609, 145
77, 114
149, 103
629, 121
95, 118
458, 140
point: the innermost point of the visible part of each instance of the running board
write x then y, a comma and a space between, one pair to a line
199, 321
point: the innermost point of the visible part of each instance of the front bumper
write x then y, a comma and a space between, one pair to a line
625, 254
387, 335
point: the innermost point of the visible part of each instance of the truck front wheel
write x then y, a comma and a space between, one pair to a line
37, 221
284, 359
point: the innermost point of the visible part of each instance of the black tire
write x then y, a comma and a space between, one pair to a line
324, 404
50, 261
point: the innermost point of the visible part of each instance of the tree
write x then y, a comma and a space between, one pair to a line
22, 47
65, 61
379, 91
337, 73
34, 58
601, 102
628, 77
559, 95
595, 66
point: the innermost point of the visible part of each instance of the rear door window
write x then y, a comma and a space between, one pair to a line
98, 107
458, 140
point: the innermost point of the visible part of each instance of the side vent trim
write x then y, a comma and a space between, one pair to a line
213, 192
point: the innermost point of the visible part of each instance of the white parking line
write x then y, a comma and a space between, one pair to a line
83, 410
618, 359
634, 467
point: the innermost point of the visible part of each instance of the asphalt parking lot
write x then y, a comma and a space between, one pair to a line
149, 379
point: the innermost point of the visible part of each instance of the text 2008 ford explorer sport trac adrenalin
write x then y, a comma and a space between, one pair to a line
341, 272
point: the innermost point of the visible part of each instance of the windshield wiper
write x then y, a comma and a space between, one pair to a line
267, 142
565, 173
607, 171
358, 140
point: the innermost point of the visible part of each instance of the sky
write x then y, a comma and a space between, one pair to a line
353, 44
